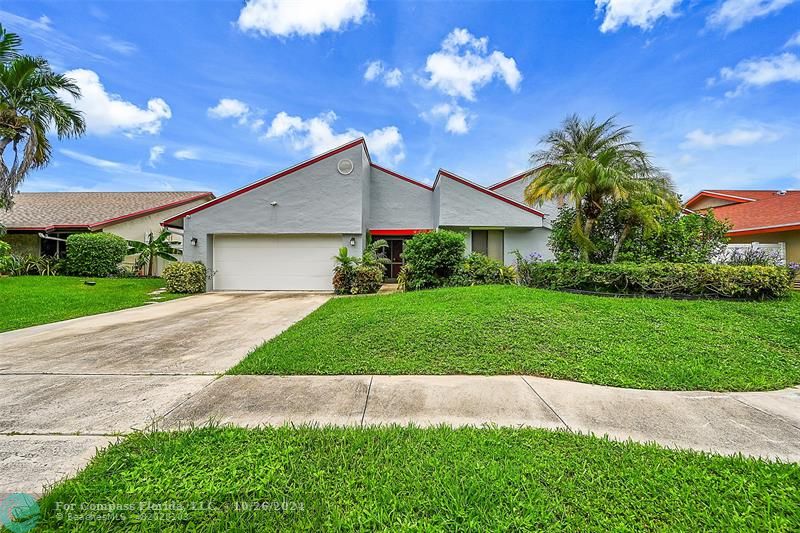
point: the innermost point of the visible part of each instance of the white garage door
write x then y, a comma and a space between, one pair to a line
274, 262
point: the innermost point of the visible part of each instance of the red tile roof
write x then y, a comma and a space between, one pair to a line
755, 211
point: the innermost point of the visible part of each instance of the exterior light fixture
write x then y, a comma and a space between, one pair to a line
352, 241
194, 241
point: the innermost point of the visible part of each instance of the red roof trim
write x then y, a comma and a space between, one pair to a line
718, 195
484, 190
150, 210
387, 232
400, 176
765, 229
269, 179
512, 179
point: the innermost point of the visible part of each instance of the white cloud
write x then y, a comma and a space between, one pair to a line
762, 71
733, 14
393, 78
214, 155
122, 47
300, 17
463, 65
125, 176
735, 137
91, 160
373, 70
233, 108
229, 108
107, 113
456, 119
316, 135
794, 40
376, 70
186, 153
155, 154
639, 13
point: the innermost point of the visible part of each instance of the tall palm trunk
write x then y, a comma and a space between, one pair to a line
587, 232
618, 246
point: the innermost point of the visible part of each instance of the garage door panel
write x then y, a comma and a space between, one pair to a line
274, 262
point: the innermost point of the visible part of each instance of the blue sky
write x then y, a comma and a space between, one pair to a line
214, 95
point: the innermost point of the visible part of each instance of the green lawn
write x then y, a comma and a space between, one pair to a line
628, 342
400, 478
33, 300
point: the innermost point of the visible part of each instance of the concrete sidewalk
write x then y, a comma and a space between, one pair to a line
43, 442
759, 424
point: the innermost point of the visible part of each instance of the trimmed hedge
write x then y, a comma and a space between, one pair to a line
478, 269
95, 254
666, 279
186, 278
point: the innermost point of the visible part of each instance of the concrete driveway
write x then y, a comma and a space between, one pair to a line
110, 374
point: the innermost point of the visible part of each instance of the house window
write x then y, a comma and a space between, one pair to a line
488, 242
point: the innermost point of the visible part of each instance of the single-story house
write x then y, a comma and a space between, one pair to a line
768, 219
281, 232
39, 222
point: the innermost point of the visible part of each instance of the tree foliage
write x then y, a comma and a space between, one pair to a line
590, 164
678, 239
149, 250
30, 105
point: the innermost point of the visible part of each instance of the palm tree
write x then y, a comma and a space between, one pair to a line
374, 254
591, 164
152, 248
30, 105
645, 212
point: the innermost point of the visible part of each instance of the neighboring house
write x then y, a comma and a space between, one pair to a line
768, 219
281, 232
40, 222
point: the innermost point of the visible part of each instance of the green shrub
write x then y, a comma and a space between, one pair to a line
95, 254
666, 279
344, 272
433, 258
186, 278
478, 269
5, 258
679, 239
367, 279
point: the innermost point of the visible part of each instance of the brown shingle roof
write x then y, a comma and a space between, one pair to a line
44, 210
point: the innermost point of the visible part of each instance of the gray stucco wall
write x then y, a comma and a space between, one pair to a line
461, 205
524, 240
398, 204
516, 190
315, 199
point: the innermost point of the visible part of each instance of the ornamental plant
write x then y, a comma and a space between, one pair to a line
188, 278
433, 258
95, 254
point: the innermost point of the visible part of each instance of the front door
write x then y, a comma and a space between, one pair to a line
394, 253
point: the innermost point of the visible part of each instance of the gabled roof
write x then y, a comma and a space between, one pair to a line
273, 177
88, 211
400, 176
514, 178
485, 190
756, 211
352, 144
726, 195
